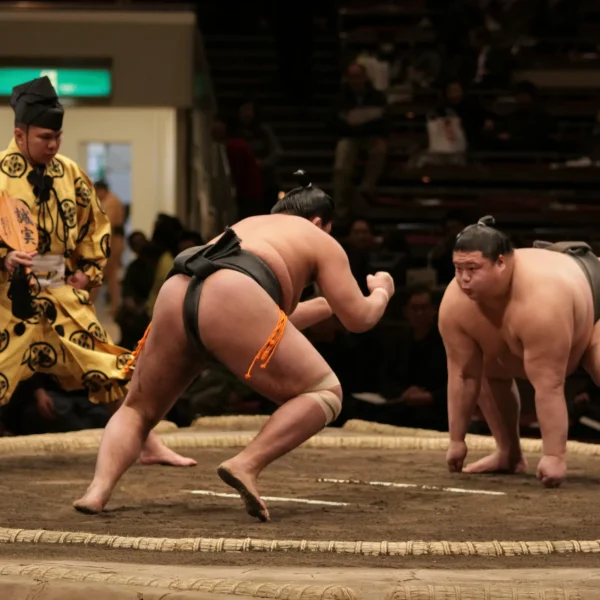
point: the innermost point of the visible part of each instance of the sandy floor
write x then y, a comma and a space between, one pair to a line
156, 502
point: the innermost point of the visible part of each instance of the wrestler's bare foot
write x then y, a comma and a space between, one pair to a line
154, 452
244, 483
166, 457
497, 463
92, 502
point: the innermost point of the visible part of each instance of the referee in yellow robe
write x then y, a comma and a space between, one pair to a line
62, 337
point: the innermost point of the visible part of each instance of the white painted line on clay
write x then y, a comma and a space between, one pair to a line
412, 485
270, 498
593, 424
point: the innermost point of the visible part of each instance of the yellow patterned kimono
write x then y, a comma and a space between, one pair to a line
64, 338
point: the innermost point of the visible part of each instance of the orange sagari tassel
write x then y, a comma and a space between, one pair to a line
266, 352
129, 366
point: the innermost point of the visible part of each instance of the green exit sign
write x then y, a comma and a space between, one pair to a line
68, 83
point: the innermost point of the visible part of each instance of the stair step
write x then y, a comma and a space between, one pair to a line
313, 155
235, 81
269, 68
307, 142
273, 99
268, 84
262, 54
317, 173
297, 126
262, 41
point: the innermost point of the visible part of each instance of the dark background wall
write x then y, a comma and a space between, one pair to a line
152, 53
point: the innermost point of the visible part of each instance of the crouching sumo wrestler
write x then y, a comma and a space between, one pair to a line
517, 313
231, 299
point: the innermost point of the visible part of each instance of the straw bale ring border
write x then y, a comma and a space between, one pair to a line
288, 591
240, 432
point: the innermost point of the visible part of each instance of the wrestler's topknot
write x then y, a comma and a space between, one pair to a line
483, 237
487, 221
306, 201
302, 178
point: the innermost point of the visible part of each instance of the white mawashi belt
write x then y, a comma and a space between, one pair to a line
49, 270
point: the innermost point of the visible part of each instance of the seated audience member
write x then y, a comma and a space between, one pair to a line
245, 170
132, 317
39, 405
216, 392
369, 253
414, 375
139, 274
529, 127
164, 245
360, 245
360, 124
484, 65
338, 347
189, 239
474, 118
441, 255
265, 146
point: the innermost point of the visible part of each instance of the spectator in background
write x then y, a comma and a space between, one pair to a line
485, 66
116, 212
189, 239
529, 128
337, 347
441, 254
427, 66
245, 170
360, 124
40, 405
132, 317
474, 118
415, 376
266, 148
359, 246
136, 241
139, 274
446, 141
362, 248
164, 248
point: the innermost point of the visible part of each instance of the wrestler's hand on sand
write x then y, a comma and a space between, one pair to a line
455, 456
79, 280
551, 470
15, 258
381, 280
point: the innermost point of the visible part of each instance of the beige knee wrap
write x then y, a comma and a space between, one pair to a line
325, 398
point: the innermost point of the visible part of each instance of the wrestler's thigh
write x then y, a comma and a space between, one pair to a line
168, 362
236, 318
591, 358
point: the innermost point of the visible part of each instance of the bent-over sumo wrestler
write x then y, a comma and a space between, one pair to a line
243, 286
517, 313
61, 336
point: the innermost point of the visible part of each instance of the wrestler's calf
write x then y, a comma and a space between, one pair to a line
291, 425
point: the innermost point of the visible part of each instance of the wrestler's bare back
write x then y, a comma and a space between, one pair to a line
291, 246
540, 278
